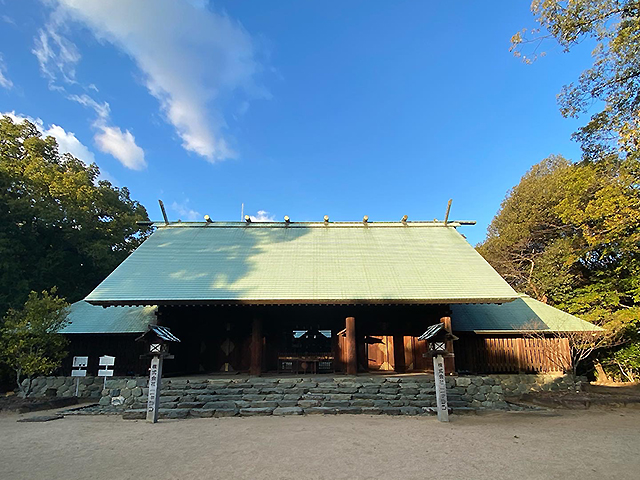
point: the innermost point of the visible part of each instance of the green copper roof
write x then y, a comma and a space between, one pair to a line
525, 313
303, 263
86, 318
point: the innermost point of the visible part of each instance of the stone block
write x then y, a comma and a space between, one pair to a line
290, 397
190, 404
201, 412
463, 381
371, 411
477, 381
253, 398
256, 411
339, 396
131, 384
225, 412
264, 403
168, 398
136, 392
391, 410
287, 403
336, 403
130, 401
408, 391
310, 396
308, 403
381, 403
349, 410
219, 404
409, 410
369, 390
137, 414
365, 396
320, 411
126, 393
345, 390
174, 413
288, 411
361, 403
117, 401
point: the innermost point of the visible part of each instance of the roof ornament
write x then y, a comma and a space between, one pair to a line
164, 212
446, 216
207, 219
404, 219
287, 219
365, 219
326, 219
247, 218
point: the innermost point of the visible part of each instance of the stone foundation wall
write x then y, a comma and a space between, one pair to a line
89, 387
401, 395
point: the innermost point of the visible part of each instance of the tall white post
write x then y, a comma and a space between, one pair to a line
155, 378
441, 388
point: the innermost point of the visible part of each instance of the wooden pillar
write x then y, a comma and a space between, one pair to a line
352, 351
256, 347
399, 364
449, 362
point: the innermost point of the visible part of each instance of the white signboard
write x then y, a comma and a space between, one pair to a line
105, 373
107, 360
80, 362
78, 373
441, 388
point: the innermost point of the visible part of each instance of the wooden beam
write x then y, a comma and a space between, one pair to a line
399, 364
256, 347
449, 362
352, 352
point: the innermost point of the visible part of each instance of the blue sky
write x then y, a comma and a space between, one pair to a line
293, 108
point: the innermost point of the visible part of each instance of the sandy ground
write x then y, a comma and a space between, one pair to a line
565, 445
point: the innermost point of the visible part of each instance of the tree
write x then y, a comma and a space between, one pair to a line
59, 224
613, 80
29, 340
569, 235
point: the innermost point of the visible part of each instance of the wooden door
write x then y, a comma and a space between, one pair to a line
380, 352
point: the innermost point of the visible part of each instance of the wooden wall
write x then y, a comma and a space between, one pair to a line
502, 354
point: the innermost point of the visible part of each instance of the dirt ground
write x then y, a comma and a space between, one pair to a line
592, 444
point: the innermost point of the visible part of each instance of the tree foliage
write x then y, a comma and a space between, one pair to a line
569, 234
59, 224
613, 81
29, 340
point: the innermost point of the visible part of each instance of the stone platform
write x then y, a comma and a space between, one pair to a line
201, 396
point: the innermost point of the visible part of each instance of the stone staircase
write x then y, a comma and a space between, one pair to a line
223, 397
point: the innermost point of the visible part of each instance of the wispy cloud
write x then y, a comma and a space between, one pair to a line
193, 59
262, 216
110, 139
67, 141
4, 81
185, 212
58, 57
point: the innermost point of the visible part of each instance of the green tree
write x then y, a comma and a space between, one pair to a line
613, 81
59, 224
29, 340
569, 234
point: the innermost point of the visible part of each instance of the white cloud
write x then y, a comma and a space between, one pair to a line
110, 139
4, 81
185, 212
121, 145
262, 216
192, 59
56, 55
67, 141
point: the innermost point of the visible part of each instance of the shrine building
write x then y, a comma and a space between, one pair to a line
306, 297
